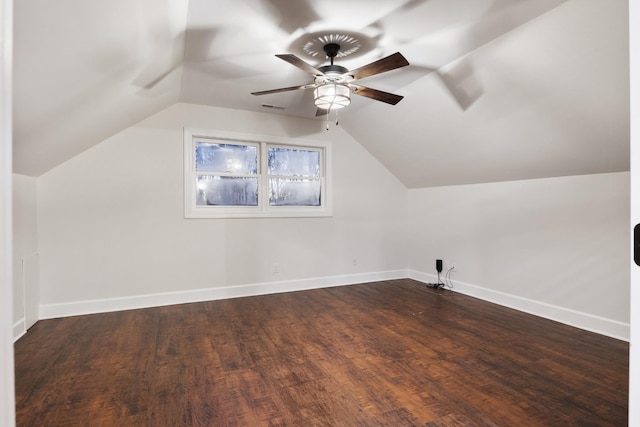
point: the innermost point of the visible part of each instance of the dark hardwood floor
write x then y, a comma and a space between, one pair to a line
392, 353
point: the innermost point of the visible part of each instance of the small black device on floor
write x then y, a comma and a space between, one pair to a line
439, 270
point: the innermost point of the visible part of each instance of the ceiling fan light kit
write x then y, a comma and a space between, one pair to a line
332, 96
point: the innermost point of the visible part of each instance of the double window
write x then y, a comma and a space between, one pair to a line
237, 175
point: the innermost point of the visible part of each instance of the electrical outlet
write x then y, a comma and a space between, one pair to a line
354, 262
276, 268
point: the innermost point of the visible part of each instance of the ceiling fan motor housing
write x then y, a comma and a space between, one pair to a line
333, 69
331, 49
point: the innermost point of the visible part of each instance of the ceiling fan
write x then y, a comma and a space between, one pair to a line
333, 84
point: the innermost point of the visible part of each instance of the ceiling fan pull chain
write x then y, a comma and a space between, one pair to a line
327, 122
337, 123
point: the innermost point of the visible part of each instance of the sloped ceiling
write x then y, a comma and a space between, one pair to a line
497, 89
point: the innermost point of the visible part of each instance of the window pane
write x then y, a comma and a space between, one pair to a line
226, 158
294, 192
226, 191
287, 162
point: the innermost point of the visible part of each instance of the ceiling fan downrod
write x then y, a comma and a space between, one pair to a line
332, 50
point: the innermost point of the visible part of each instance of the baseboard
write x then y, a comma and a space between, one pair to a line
567, 316
50, 311
19, 329
589, 322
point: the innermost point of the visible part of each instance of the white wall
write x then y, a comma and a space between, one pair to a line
7, 397
111, 225
112, 233
25, 241
557, 247
634, 356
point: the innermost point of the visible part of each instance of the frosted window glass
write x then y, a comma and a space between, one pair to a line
288, 162
226, 191
294, 192
226, 158
236, 175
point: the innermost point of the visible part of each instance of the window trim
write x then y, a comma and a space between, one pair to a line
263, 210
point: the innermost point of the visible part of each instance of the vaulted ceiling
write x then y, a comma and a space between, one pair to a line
497, 89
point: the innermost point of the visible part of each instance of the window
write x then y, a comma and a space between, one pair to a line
228, 175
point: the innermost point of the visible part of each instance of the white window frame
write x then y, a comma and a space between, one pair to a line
263, 210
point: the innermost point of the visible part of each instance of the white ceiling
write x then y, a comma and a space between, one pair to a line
497, 89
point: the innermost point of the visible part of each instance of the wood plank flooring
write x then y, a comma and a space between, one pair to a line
392, 353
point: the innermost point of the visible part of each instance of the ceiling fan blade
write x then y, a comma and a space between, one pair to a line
292, 15
383, 65
294, 60
321, 112
284, 89
162, 65
462, 84
396, 15
376, 94
150, 83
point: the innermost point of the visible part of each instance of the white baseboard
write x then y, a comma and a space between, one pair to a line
608, 327
589, 322
19, 329
50, 311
